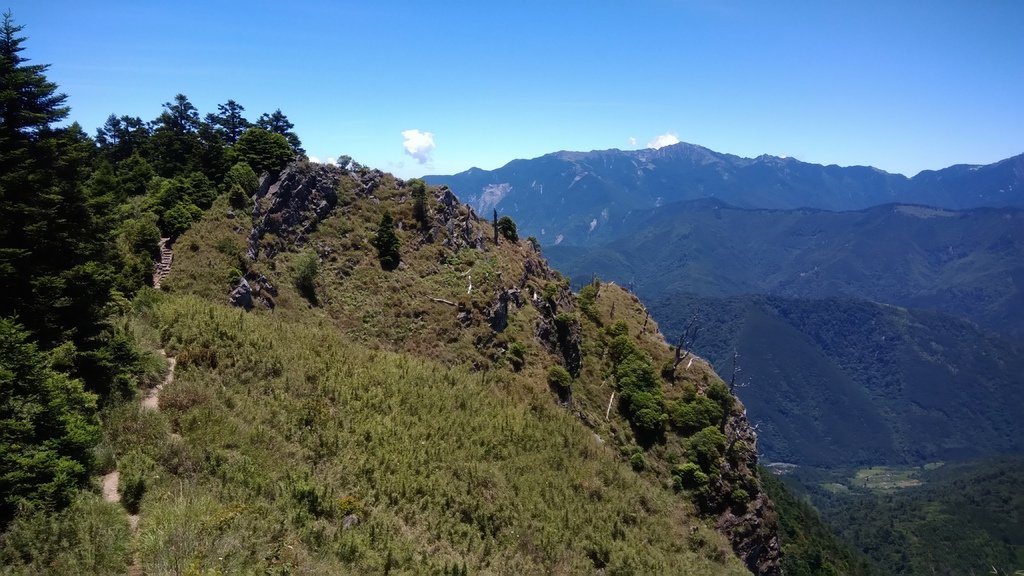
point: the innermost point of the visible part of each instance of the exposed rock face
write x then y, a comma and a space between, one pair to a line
498, 314
291, 204
754, 536
559, 333
570, 341
457, 221
251, 289
241, 296
753, 531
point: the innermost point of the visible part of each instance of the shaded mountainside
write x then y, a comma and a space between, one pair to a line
843, 382
585, 197
966, 263
580, 391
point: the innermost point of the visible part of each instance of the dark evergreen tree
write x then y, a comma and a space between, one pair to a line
175, 146
56, 254
212, 159
134, 175
48, 426
29, 102
507, 227
386, 242
419, 200
121, 137
278, 122
229, 121
52, 273
263, 150
180, 115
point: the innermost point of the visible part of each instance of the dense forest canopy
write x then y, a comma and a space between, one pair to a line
80, 223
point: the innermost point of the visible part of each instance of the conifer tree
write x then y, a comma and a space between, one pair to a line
121, 137
279, 123
419, 200
52, 248
47, 427
386, 242
229, 121
29, 102
175, 145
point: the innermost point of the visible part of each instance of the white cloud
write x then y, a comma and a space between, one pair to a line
666, 139
418, 144
314, 159
632, 140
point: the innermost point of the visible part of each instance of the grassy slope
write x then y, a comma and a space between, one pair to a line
296, 427
282, 423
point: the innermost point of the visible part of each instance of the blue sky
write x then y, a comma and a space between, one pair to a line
900, 85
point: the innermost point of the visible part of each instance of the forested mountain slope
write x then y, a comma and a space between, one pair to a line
953, 518
838, 382
966, 263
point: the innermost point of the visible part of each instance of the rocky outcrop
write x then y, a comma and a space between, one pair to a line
241, 295
457, 221
754, 536
750, 524
253, 288
290, 205
497, 316
560, 332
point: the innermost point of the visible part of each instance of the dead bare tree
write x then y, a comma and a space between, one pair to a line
686, 339
495, 226
735, 369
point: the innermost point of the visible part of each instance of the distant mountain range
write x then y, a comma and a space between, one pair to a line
967, 263
584, 198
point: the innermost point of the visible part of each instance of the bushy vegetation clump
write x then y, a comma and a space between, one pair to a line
306, 270
641, 398
263, 150
507, 228
560, 380
241, 182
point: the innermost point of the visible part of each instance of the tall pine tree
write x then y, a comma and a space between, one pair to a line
54, 281
55, 254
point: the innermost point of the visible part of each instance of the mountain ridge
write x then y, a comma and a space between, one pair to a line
601, 187
465, 295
